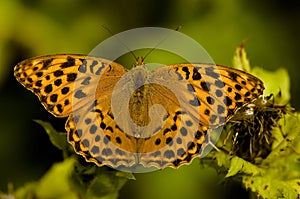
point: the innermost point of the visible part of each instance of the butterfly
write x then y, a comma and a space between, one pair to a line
121, 118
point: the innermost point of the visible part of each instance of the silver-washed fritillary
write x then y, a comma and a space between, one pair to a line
210, 95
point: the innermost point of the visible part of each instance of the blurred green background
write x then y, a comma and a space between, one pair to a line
33, 27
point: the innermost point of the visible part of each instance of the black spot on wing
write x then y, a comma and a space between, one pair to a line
66, 102
58, 73
48, 89
38, 83
194, 102
157, 141
237, 96
219, 83
221, 109
93, 64
29, 79
86, 81
57, 82
196, 74
238, 87
70, 62
65, 90
53, 98
190, 88
71, 77
187, 72
39, 74
47, 62
210, 100
79, 94
118, 140
98, 72
205, 86
219, 93
227, 101
95, 149
59, 108
210, 72
82, 67
169, 154
233, 76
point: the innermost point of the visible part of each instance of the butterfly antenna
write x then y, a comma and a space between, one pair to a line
161, 41
119, 40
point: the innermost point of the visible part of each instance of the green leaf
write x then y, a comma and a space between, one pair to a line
277, 176
58, 139
268, 187
54, 184
70, 179
235, 166
106, 184
92, 181
281, 176
275, 81
121, 174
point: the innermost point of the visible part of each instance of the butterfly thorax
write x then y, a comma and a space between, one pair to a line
138, 104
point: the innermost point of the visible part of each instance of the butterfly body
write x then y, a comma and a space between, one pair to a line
120, 117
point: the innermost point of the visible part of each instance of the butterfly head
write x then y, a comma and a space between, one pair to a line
139, 61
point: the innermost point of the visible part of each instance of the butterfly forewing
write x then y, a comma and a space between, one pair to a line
52, 79
220, 90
